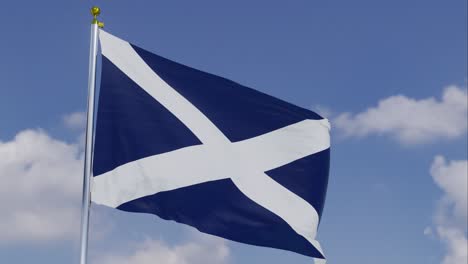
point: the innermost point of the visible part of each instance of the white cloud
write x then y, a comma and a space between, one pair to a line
411, 120
76, 120
40, 188
457, 245
452, 178
202, 250
451, 214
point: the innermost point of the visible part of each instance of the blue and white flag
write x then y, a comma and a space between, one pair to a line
205, 151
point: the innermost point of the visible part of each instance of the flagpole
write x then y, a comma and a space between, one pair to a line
86, 202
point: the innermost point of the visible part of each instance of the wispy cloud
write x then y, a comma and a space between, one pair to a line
323, 111
411, 120
451, 213
199, 250
75, 120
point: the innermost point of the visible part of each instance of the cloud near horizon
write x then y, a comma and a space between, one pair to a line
409, 120
201, 249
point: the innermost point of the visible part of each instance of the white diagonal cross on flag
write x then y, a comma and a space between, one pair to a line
244, 162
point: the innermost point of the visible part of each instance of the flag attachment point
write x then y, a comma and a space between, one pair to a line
96, 11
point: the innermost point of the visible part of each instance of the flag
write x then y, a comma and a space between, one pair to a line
207, 152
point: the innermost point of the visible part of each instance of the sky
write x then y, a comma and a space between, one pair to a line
390, 75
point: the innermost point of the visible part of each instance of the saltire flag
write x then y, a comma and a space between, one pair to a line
204, 151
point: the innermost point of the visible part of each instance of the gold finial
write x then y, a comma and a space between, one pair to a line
96, 11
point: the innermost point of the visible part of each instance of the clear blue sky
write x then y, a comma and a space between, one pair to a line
341, 55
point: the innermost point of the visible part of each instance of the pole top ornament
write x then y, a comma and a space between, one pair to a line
96, 11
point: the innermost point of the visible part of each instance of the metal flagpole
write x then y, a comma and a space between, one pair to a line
95, 11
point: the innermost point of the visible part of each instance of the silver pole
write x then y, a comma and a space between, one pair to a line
86, 202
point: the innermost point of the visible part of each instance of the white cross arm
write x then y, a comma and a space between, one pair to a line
202, 163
